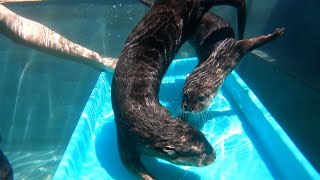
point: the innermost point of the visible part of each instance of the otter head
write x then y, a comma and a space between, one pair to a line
199, 89
179, 143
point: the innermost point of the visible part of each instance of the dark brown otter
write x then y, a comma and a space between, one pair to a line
218, 53
143, 125
6, 172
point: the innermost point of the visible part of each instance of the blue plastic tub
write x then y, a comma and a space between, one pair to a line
249, 142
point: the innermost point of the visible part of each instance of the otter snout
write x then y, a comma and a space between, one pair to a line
187, 108
207, 158
193, 108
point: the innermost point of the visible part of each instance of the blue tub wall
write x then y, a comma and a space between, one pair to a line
278, 151
82, 140
294, 105
288, 86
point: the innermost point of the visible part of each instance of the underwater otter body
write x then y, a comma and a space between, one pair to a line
6, 172
5, 168
218, 53
143, 125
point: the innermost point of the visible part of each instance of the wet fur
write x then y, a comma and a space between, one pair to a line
6, 172
218, 53
143, 125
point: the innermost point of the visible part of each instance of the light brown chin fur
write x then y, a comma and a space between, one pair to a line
146, 176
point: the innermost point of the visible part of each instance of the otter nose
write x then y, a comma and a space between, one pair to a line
188, 108
209, 158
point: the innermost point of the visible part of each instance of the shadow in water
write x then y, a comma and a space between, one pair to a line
108, 156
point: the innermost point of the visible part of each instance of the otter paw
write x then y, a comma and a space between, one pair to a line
278, 32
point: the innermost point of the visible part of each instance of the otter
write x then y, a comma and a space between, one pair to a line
6, 172
218, 53
35, 35
143, 125
208, 35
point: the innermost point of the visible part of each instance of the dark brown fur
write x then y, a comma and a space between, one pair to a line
143, 125
6, 172
218, 52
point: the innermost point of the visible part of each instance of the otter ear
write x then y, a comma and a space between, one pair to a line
169, 150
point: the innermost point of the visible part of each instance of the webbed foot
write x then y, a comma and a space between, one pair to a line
248, 45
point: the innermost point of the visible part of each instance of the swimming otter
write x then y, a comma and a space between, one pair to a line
143, 125
35, 35
6, 172
218, 53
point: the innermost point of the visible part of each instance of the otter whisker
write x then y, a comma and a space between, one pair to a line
184, 117
202, 117
184, 175
178, 112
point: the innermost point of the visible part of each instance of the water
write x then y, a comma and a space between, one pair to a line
42, 96
235, 151
242, 144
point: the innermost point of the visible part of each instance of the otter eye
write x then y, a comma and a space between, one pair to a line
201, 98
169, 150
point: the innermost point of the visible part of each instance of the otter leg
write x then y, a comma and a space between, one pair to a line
131, 160
248, 45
